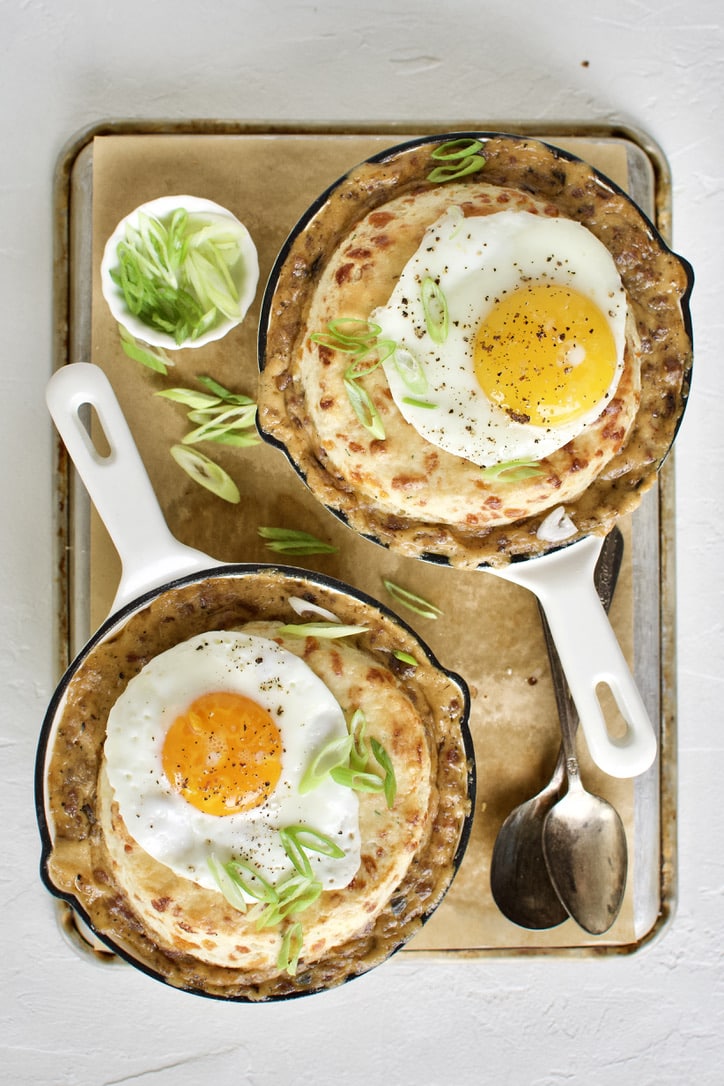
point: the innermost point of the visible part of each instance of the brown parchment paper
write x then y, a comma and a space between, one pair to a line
489, 631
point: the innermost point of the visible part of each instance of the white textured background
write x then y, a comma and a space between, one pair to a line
654, 1017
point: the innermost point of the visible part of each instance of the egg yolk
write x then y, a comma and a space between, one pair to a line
545, 354
223, 754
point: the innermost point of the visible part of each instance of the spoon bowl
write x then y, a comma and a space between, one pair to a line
584, 844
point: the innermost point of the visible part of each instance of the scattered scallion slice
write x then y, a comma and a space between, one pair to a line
251, 881
459, 158
405, 657
293, 541
189, 398
354, 330
228, 420
512, 471
415, 603
358, 755
413, 402
410, 370
363, 407
227, 883
357, 780
294, 895
384, 761
367, 360
154, 358
306, 839
456, 149
204, 471
335, 753
327, 339
306, 607
434, 306
329, 630
291, 949
453, 172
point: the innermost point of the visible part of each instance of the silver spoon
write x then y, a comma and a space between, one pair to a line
519, 878
584, 841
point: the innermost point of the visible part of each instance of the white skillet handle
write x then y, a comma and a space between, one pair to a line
590, 654
118, 484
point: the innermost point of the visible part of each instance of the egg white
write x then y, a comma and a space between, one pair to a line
476, 260
176, 833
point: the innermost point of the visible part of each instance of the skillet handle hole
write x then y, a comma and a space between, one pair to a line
95, 434
616, 725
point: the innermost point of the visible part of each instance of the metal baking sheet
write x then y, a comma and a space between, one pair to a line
86, 568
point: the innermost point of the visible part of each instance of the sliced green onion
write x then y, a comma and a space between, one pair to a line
308, 839
434, 306
189, 398
418, 403
306, 607
354, 329
329, 630
233, 418
251, 882
452, 172
415, 603
154, 358
296, 852
459, 148
336, 752
366, 412
224, 393
356, 780
294, 895
384, 761
512, 471
231, 437
293, 541
410, 370
367, 361
227, 883
174, 272
359, 756
205, 472
405, 657
291, 948
327, 339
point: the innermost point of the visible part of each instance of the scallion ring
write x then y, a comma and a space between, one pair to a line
363, 407
335, 753
410, 370
354, 330
434, 306
415, 603
290, 950
384, 761
329, 630
294, 541
512, 471
205, 472
457, 169
454, 149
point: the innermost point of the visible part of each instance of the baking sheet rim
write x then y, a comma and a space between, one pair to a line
662, 216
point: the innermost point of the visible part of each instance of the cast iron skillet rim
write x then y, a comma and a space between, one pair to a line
117, 619
382, 156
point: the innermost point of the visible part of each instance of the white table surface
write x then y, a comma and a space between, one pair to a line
656, 1016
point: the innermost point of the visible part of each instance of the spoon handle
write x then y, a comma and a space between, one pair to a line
605, 577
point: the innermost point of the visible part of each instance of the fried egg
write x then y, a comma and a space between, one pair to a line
205, 750
509, 331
